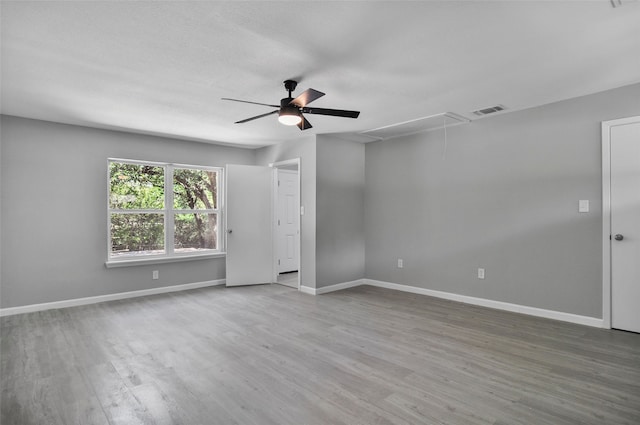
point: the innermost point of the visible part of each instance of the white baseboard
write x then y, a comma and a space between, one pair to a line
516, 308
108, 297
331, 288
339, 286
307, 290
533, 311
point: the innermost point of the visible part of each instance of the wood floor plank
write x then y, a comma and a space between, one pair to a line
270, 355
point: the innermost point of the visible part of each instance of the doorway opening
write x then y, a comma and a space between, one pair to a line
286, 223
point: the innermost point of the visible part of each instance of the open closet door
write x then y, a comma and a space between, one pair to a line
248, 215
624, 195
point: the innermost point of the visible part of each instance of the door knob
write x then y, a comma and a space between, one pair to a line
230, 231
619, 237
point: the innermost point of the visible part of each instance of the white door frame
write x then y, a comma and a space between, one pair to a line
606, 215
274, 204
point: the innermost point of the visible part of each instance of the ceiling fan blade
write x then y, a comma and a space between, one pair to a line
332, 112
306, 97
254, 103
304, 124
257, 116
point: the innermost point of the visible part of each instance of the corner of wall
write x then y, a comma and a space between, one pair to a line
340, 209
305, 149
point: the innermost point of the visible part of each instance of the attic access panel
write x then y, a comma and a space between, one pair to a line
432, 122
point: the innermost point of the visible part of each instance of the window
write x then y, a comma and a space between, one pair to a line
162, 210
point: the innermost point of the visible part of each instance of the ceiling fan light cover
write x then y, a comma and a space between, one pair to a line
289, 116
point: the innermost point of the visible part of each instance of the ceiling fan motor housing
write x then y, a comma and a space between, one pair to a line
290, 86
287, 109
285, 102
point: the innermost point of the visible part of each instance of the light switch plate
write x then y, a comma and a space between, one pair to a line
583, 205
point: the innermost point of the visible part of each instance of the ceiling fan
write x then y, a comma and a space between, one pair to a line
290, 110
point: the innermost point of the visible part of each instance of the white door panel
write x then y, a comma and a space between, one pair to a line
287, 221
625, 227
248, 213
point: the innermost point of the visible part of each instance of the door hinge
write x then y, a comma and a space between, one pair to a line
278, 222
278, 262
278, 182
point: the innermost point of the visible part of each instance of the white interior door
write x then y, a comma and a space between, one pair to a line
625, 226
248, 215
287, 221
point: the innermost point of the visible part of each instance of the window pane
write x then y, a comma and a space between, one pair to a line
194, 232
137, 234
194, 189
135, 186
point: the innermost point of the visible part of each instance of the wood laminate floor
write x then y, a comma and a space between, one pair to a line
271, 355
288, 279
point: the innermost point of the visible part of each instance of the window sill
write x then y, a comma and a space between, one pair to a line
161, 260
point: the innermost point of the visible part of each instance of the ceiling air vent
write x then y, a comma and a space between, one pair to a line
491, 110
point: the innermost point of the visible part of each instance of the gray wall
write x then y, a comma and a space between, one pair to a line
305, 149
339, 211
54, 213
505, 198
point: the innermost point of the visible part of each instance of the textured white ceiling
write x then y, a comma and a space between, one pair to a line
161, 67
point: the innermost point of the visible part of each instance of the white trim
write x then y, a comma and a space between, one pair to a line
499, 305
274, 225
162, 259
307, 290
222, 212
606, 215
606, 225
292, 161
108, 297
108, 205
274, 202
339, 286
532, 311
168, 212
169, 216
137, 161
331, 288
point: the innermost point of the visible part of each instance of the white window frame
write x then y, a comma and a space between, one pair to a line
169, 217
